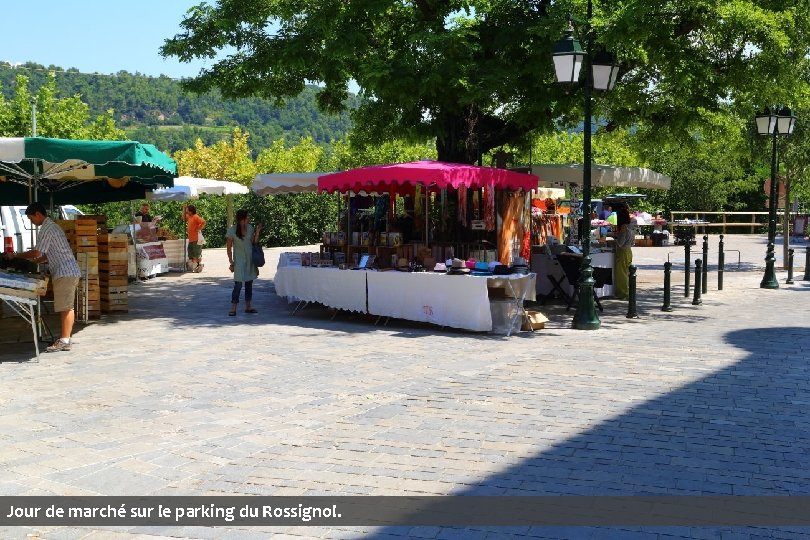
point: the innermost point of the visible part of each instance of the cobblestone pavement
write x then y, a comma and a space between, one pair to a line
177, 398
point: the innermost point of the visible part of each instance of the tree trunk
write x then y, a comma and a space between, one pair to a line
459, 140
467, 136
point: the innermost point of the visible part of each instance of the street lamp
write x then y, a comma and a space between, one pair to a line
772, 122
601, 72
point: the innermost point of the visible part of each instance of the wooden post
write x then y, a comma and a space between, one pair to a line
724, 223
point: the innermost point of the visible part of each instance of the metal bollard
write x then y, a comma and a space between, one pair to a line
667, 285
807, 264
696, 301
721, 263
631, 304
704, 282
686, 271
789, 279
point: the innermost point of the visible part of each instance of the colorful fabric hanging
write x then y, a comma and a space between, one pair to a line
489, 208
462, 205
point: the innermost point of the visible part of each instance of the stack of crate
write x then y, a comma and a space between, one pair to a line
81, 234
113, 261
88, 259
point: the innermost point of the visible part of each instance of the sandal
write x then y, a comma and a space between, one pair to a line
232, 313
251, 310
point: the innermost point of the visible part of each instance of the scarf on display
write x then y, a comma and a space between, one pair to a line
489, 207
462, 205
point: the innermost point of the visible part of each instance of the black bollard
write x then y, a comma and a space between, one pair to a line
721, 263
696, 301
667, 284
686, 271
704, 282
807, 264
631, 304
789, 280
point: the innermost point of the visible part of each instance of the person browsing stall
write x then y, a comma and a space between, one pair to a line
624, 237
194, 223
145, 216
239, 246
52, 246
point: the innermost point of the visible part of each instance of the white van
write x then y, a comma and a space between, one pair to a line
14, 223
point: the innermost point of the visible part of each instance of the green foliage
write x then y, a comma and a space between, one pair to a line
156, 110
67, 118
476, 75
225, 160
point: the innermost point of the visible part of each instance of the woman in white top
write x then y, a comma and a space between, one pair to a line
239, 246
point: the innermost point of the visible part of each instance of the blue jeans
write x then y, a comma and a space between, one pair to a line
237, 288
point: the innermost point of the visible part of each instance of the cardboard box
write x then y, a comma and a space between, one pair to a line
534, 320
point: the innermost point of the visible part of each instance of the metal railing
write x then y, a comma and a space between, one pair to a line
727, 219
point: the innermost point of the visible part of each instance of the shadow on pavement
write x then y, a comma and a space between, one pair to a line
742, 430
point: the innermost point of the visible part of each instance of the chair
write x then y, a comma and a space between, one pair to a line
571, 264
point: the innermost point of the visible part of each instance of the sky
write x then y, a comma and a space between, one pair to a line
96, 36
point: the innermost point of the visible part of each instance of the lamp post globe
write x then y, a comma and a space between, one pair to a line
772, 122
568, 58
601, 73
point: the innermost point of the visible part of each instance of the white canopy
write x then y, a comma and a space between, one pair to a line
601, 176
187, 187
277, 184
548, 193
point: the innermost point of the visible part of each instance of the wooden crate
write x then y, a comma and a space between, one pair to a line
113, 281
112, 271
112, 242
110, 256
67, 225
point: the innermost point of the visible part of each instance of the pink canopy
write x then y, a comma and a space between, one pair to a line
395, 177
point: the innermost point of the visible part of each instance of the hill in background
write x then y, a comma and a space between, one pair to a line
156, 110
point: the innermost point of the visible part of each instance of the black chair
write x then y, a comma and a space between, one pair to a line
556, 288
571, 264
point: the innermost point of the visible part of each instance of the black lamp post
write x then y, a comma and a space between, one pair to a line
600, 73
773, 122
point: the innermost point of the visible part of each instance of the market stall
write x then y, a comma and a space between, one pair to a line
186, 188
63, 171
487, 207
430, 210
556, 228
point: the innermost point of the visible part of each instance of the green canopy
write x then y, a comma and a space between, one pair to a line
79, 171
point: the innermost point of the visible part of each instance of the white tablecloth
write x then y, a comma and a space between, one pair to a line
456, 301
340, 289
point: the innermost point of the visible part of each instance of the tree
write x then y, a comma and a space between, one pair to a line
303, 157
476, 74
67, 118
224, 160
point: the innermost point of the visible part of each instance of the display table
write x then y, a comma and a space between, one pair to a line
151, 259
454, 301
21, 293
339, 289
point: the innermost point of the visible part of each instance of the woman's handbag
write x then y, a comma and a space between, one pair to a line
258, 256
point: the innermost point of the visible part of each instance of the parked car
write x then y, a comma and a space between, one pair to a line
15, 224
